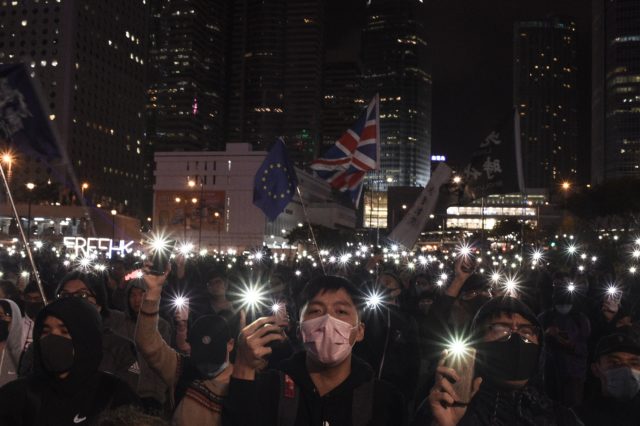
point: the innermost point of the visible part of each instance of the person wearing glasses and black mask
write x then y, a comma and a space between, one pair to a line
507, 385
119, 353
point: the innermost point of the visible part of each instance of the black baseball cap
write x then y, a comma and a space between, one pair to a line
625, 339
208, 338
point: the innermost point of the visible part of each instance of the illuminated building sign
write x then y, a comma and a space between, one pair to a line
438, 158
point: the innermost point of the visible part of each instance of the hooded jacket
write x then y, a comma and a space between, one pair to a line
120, 357
256, 402
150, 384
45, 399
495, 404
10, 357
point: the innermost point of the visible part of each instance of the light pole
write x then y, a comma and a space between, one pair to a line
83, 188
186, 203
113, 224
30, 187
218, 219
192, 184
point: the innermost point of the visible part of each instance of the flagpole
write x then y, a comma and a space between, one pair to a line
24, 237
313, 235
378, 212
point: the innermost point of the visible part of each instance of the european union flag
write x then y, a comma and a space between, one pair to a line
23, 120
275, 181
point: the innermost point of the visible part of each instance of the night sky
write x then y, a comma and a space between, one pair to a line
471, 55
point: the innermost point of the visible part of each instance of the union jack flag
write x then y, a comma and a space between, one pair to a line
357, 151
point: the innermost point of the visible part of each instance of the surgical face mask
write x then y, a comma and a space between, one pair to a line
211, 371
507, 360
326, 339
56, 353
622, 383
563, 309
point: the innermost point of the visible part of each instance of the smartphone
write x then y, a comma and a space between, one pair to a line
464, 364
160, 258
182, 310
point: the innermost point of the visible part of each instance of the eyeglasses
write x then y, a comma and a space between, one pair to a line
82, 294
502, 331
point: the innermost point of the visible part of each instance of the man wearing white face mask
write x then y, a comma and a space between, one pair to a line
323, 385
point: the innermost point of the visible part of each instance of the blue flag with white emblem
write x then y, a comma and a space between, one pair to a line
275, 181
24, 123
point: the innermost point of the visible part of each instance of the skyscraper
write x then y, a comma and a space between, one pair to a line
394, 61
90, 59
304, 50
187, 71
545, 92
342, 103
616, 89
276, 74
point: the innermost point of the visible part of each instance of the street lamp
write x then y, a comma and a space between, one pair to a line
7, 160
83, 188
566, 185
30, 186
192, 184
113, 224
218, 219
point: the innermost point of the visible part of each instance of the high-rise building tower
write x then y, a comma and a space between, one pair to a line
342, 103
545, 92
187, 71
276, 74
303, 78
394, 61
615, 105
90, 59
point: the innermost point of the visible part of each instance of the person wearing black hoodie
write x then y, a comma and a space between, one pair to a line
324, 384
66, 386
507, 388
119, 353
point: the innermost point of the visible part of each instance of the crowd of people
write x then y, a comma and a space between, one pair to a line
213, 342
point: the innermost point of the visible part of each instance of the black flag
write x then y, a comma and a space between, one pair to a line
496, 166
24, 123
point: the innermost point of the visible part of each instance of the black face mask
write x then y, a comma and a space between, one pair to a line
4, 331
33, 308
509, 360
56, 353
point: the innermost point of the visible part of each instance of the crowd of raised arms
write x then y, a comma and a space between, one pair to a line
274, 340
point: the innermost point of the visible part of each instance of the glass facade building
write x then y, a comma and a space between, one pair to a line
616, 89
187, 71
545, 93
395, 65
90, 58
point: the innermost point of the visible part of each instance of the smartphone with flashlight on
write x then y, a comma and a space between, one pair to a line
182, 308
160, 256
279, 310
464, 363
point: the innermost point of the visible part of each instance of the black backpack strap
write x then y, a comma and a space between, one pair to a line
288, 401
362, 405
